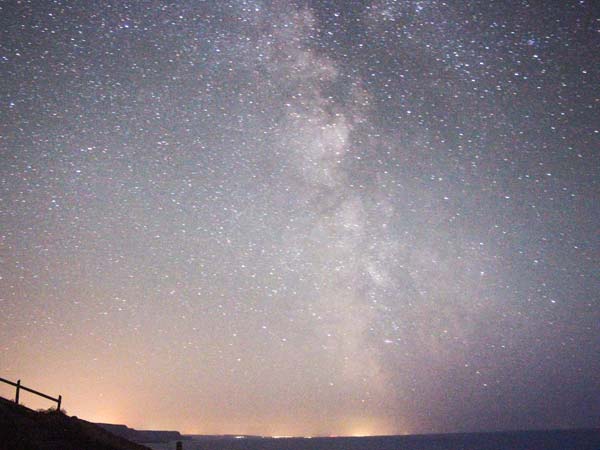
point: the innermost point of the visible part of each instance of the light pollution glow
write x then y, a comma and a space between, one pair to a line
300, 217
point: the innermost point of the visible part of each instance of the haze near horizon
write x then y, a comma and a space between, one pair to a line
302, 217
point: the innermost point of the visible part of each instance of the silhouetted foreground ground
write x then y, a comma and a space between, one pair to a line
24, 429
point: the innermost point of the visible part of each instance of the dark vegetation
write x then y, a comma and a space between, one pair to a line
24, 429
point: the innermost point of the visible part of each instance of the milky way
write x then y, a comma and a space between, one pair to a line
353, 217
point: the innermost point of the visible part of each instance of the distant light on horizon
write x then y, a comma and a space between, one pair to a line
302, 218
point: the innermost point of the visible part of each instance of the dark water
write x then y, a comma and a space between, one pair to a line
526, 440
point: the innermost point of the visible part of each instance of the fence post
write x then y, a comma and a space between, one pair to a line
59, 402
17, 395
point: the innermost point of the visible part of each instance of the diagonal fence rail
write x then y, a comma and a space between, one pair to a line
19, 386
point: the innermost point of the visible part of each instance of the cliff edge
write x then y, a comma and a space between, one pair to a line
24, 429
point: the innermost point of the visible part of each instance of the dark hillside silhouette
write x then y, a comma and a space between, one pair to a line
24, 429
142, 436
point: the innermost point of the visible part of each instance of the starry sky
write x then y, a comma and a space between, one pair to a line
302, 217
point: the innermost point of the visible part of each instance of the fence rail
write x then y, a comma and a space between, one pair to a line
19, 386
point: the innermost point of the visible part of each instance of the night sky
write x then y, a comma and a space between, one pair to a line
303, 218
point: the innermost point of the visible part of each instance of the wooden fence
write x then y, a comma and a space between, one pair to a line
19, 386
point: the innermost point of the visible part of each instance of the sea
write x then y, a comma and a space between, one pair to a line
513, 440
